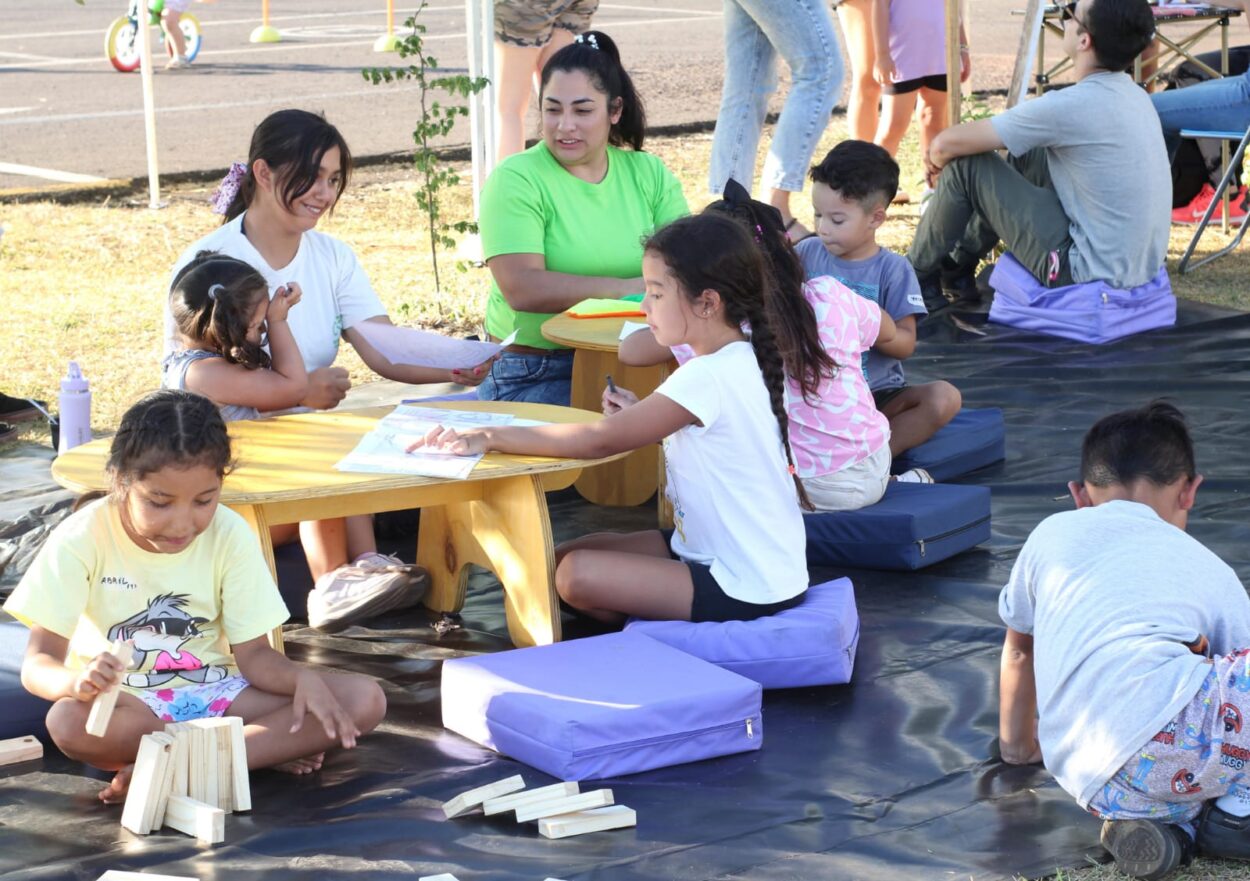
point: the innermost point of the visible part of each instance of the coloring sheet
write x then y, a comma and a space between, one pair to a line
382, 451
423, 348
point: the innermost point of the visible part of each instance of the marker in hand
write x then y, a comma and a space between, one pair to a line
611, 384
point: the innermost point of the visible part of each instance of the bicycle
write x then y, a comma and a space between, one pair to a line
121, 43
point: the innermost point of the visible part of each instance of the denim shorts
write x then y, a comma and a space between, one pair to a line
535, 379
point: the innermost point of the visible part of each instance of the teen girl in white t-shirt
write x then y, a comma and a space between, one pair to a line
738, 550
297, 168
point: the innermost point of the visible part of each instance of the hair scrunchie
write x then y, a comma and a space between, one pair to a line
228, 188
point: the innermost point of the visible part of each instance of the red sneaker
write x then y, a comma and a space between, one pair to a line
1192, 213
1236, 209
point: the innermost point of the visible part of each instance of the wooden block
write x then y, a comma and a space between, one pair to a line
467, 801
179, 758
241, 783
225, 769
205, 822
581, 822
216, 766
147, 774
166, 783
114, 875
102, 706
20, 749
582, 802
530, 796
204, 761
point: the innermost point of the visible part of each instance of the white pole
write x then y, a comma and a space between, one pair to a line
480, 21
149, 106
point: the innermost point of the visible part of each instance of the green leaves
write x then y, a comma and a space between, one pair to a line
436, 120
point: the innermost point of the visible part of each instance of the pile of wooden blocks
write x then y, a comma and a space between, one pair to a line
561, 809
188, 778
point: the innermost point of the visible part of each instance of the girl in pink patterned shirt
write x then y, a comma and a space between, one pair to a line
841, 442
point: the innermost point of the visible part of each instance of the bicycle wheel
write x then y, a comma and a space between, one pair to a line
190, 27
120, 45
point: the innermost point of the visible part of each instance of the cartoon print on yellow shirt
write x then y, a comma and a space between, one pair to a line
159, 634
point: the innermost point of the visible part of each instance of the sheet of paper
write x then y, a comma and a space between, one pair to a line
383, 450
423, 348
632, 327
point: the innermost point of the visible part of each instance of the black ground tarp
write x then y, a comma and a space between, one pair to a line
889, 777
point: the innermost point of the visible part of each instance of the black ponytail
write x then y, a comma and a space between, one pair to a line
711, 251
595, 54
791, 315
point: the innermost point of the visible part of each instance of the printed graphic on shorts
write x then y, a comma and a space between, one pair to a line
160, 633
1231, 715
1183, 782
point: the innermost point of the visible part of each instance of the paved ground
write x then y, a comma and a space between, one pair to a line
63, 109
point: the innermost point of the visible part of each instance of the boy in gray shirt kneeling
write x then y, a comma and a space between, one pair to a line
1126, 665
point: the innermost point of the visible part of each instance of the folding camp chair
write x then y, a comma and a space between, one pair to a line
1220, 198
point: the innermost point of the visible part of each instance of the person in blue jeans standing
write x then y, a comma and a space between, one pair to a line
756, 32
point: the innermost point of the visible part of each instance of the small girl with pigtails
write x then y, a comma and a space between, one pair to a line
738, 549
159, 563
221, 311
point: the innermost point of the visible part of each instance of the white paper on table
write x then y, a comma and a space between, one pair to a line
383, 450
631, 327
424, 348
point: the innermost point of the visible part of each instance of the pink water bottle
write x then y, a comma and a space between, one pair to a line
75, 402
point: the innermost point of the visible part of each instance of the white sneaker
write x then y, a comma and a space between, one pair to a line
177, 63
915, 475
374, 584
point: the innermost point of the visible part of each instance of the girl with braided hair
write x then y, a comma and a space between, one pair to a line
157, 562
822, 328
221, 311
738, 550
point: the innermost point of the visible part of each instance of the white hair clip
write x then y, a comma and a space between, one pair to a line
588, 38
214, 290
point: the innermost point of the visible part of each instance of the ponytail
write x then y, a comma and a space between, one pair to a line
595, 54
711, 251
292, 143
792, 317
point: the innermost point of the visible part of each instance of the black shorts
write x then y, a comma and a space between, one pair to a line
936, 82
710, 603
881, 397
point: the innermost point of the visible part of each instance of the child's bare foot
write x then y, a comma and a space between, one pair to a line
115, 792
305, 765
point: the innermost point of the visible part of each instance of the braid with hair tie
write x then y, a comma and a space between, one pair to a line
767, 356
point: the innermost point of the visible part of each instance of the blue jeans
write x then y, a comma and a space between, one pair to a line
535, 379
1216, 105
755, 32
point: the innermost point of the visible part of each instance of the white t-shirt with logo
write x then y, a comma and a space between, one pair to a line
336, 292
735, 508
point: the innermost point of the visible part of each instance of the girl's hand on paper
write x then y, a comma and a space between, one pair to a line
618, 400
475, 375
448, 440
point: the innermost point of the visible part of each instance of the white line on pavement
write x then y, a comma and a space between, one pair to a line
68, 177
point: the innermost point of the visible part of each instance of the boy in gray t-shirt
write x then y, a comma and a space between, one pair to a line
851, 189
1125, 662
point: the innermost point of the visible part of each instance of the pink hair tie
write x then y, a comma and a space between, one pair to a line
228, 188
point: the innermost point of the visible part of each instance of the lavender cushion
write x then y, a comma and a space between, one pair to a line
812, 644
1092, 312
601, 707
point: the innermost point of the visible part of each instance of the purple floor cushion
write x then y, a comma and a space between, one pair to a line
812, 644
1092, 312
972, 440
913, 526
601, 707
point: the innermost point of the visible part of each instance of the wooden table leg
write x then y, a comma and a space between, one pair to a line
508, 532
256, 519
632, 480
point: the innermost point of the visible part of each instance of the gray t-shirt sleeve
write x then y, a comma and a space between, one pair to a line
900, 289
1040, 122
1015, 602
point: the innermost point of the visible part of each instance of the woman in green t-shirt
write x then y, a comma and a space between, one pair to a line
564, 220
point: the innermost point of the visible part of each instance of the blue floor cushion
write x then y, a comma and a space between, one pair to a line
972, 440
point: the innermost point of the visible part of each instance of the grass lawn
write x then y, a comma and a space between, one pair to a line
87, 282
